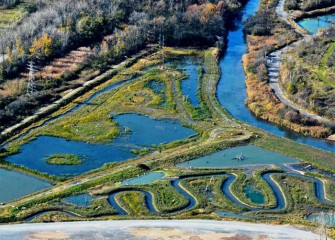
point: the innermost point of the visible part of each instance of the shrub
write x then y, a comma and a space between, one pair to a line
293, 116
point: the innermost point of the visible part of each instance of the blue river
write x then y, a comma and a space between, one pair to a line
231, 89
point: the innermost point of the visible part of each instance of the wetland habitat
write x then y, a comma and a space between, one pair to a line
167, 139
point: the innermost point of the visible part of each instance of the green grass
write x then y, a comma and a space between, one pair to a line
166, 198
64, 159
8, 17
323, 67
327, 55
93, 123
133, 202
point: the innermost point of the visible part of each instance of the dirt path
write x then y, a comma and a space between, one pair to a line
274, 63
209, 89
153, 229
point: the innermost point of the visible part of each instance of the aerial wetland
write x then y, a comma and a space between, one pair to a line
239, 157
162, 141
141, 131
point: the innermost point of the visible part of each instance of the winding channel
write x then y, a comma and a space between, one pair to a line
226, 189
231, 93
192, 201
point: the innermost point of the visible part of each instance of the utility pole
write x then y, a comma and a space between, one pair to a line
31, 87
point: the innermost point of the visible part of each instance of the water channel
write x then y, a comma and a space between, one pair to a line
231, 90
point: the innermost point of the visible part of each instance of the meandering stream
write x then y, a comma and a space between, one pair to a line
281, 203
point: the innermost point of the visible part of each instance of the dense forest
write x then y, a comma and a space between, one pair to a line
308, 5
8, 3
58, 26
114, 29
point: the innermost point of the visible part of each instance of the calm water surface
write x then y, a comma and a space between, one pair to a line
254, 194
82, 200
144, 179
313, 25
15, 185
229, 158
189, 86
145, 132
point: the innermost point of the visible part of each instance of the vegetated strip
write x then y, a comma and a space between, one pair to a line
44, 112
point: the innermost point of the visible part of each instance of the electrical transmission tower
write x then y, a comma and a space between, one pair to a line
31, 88
162, 45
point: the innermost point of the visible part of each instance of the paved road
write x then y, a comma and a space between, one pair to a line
152, 229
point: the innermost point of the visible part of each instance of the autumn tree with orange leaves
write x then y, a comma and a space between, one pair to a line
41, 47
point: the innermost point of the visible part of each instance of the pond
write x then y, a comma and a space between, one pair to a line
144, 132
159, 89
82, 200
144, 179
313, 25
237, 157
14, 185
327, 218
254, 194
189, 86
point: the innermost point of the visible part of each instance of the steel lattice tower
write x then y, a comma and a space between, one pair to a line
31, 88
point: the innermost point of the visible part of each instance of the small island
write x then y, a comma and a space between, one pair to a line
64, 159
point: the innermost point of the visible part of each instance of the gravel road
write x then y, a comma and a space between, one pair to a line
152, 229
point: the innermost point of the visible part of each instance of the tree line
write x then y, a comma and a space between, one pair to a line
53, 28
62, 25
8, 3
308, 5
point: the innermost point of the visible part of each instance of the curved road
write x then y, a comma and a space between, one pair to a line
274, 60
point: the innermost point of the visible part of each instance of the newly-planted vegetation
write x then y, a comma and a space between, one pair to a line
64, 159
